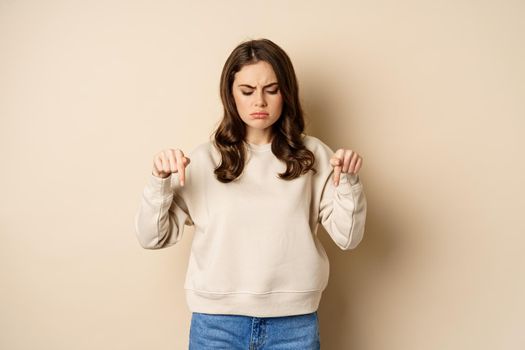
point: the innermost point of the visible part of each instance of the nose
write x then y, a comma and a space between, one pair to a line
259, 99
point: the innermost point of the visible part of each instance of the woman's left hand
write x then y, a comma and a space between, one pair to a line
346, 161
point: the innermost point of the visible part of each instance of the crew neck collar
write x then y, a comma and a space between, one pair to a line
259, 148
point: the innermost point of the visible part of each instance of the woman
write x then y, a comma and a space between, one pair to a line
255, 195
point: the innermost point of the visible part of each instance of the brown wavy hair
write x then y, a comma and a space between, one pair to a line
287, 144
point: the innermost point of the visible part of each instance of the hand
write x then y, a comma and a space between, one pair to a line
346, 161
170, 161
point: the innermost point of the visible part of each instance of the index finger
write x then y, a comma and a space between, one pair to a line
180, 166
337, 169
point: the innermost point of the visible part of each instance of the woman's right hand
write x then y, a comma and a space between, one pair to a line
170, 161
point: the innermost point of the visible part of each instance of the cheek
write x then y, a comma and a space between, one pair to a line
244, 102
237, 99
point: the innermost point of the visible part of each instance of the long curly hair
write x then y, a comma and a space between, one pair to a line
287, 144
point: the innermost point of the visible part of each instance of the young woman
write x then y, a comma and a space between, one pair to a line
255, 194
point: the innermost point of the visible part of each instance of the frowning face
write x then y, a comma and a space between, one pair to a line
258, 100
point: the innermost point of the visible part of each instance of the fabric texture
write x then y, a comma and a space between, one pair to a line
236, 332
255, 250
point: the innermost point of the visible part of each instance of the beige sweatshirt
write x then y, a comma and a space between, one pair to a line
255, 249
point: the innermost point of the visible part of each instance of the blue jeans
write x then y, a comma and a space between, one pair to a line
237, 332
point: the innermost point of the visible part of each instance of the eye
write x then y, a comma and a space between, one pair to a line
247, 93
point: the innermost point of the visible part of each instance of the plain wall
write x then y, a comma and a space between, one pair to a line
430, 94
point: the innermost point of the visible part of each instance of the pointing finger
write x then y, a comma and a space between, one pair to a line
334, 161
338, 167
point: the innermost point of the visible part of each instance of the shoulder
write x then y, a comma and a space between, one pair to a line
317, 146
204, 152
322, 153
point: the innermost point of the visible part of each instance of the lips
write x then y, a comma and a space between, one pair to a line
259, 115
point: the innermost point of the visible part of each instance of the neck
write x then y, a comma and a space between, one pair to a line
259, 139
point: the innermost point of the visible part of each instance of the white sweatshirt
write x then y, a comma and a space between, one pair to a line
255, 249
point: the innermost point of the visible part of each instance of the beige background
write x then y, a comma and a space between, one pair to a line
430, 93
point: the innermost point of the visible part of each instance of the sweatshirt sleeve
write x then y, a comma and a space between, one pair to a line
162, 214
342, 210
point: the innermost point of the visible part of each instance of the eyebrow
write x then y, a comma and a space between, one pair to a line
253, 87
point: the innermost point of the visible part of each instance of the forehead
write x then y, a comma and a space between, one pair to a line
256, 73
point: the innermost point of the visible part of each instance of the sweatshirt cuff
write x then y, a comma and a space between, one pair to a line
160, 186
347, 182
354, 179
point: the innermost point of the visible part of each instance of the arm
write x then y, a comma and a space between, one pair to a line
162, 214
342, 210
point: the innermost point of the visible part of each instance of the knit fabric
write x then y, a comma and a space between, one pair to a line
255, 249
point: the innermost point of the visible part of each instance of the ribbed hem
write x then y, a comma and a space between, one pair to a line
256, 305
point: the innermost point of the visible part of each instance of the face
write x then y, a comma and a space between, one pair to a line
255, 90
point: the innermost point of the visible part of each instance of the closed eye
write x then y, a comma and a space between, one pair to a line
273, 92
